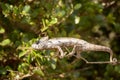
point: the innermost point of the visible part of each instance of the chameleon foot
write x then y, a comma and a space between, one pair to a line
62, 56
69, 55
114, 61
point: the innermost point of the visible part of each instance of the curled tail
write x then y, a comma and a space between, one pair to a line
92, 47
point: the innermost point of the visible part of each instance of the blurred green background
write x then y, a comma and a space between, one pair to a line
22, 22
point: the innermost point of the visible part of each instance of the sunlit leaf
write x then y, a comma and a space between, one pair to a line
77, 19
2, 30
5, 42
21, 54
52, 22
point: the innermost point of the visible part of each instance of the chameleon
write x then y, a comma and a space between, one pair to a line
78, 45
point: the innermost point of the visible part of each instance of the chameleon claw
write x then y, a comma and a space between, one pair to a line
62, 56
115, 60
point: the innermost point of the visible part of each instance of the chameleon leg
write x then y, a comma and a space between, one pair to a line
60, 50
80, 57
78, 51
72, 52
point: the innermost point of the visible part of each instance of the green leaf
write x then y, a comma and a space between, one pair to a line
2, 70
61, 13
2, 30
77, 6
5, 42
16, 10
53, 63
26, 8
21, 54
53, 66
53, 21
39, 72
29, 59
44, 29
23, 67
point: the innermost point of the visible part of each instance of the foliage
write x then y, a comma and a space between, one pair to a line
23, 22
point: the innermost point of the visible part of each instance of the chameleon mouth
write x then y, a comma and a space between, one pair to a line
34, 46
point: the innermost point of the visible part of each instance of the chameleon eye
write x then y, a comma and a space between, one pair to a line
38, 42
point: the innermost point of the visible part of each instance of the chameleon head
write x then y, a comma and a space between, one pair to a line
37, 46
34, 46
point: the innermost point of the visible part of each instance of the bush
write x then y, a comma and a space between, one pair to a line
25, 21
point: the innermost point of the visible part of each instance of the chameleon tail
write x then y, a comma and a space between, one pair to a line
92, 47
